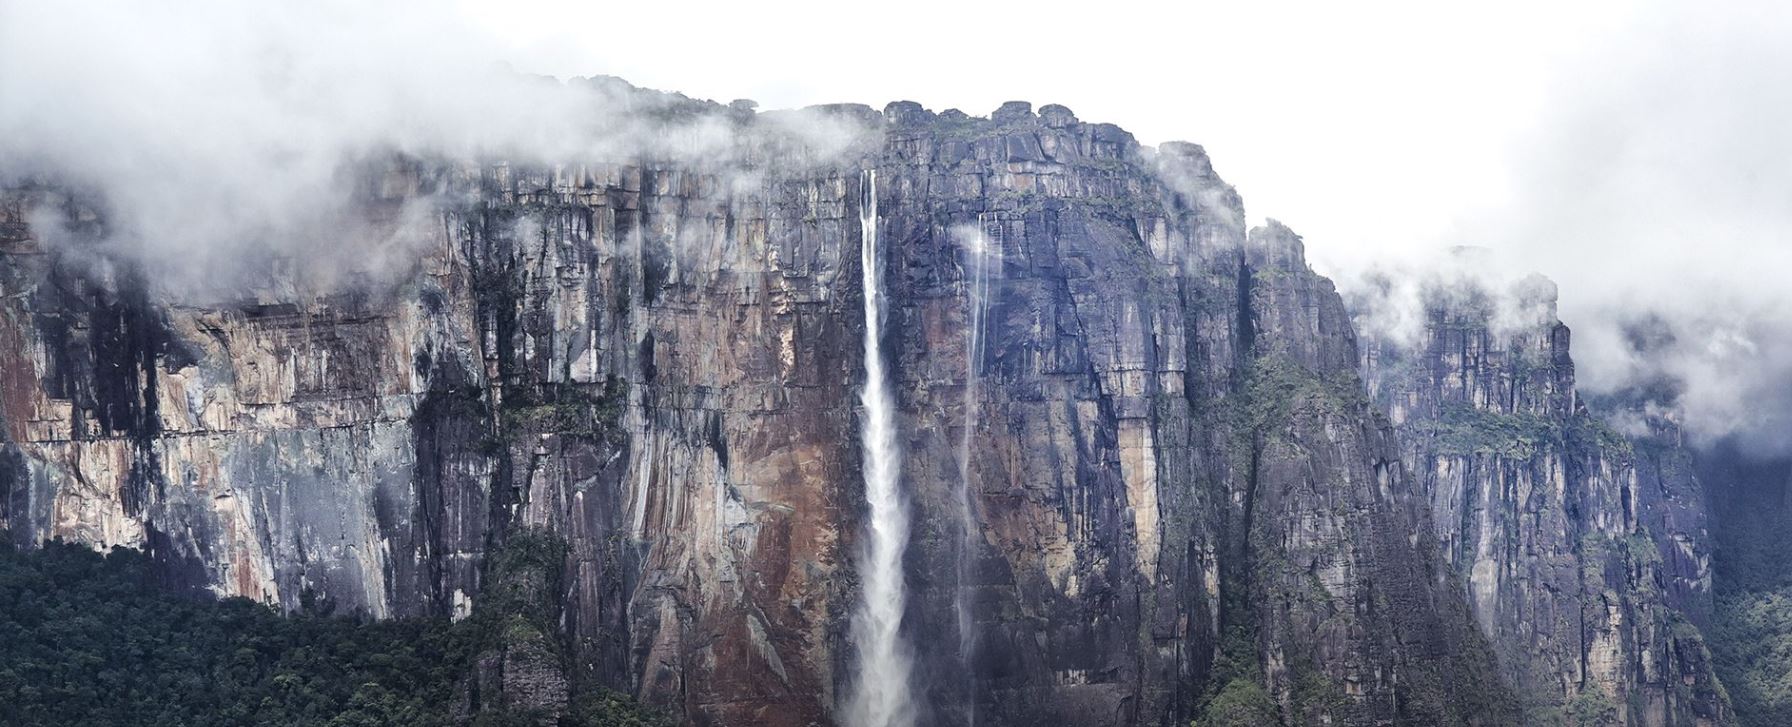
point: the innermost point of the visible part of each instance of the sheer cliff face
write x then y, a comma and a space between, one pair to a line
1173, 479
1584, 552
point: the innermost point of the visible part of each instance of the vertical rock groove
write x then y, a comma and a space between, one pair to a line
978, 258
654, 360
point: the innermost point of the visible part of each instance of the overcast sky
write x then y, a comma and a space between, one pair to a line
1373, 123
1639, 153
1635, 152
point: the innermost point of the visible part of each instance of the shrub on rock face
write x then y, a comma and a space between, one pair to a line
1592, 708
605, 708
1243, 703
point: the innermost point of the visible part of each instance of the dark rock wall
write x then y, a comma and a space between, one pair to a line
1172, 465
1585, 552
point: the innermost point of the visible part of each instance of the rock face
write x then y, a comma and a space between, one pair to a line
1585, 552
521, 668
1174, 482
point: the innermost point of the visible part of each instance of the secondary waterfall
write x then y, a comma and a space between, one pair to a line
976, 272
881, 698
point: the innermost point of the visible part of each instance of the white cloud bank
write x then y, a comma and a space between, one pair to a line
213, 131
1654, 188
1634, 152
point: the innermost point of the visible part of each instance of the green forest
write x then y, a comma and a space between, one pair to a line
1751, 637
91, 639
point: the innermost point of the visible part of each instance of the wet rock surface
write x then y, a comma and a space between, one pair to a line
1584, 551
1173, 467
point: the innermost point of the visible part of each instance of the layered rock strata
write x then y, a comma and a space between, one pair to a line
1585, 551
1174, 482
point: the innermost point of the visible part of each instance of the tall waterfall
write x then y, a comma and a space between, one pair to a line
882, 697
976, 272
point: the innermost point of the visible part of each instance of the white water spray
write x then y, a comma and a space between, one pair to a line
977, 264
881, 698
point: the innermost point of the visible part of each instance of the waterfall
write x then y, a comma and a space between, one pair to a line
976, 274
881, 698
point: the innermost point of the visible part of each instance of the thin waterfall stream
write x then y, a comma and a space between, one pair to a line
977, 265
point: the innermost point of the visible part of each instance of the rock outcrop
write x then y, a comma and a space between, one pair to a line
1175, 481
1585, 552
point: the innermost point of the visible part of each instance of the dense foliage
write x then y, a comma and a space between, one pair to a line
1465, 430
92, 640
1753, 644
1751, 634
1243, 703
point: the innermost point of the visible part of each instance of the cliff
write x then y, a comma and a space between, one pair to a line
1585, 551
1139, 460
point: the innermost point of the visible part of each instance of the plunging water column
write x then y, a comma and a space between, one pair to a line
881, 697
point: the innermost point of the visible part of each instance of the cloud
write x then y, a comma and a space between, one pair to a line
1637, 160
1652, 187
1657, 194
1392, 300
213, 133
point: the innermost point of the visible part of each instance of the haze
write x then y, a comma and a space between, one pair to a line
1633, 152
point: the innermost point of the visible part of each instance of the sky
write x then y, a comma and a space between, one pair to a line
1341, 119
1635, 152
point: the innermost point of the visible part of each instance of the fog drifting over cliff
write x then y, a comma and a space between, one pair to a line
214, 135
1634, 153
1653, 188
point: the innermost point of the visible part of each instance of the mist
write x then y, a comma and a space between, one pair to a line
1633, 153
212, 136
1652, 188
